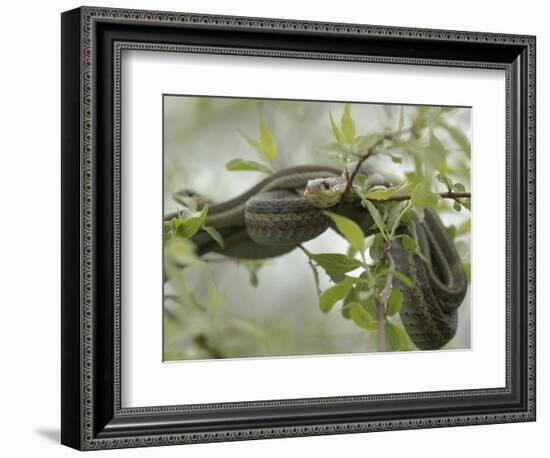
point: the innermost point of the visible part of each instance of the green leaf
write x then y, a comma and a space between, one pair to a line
330, 296
361, 180
420, 120
395, 223
190, 226
335, 277
345, 312
216, 299
396, 159
408, 219
392, 337
252, 266
361, 317
349, 229
412, 147
362, 143
394, 214
182, 252
409, 244
169, 224
251, 142
395, 301
452, 231
464, 228
423, 197
334, 148
363, 293
381, 194
170, 228
347, 301
241, 164
458, 187
400, 276
267, 143
443, 179
457, 206
467, 203
377, 248
352, 251
185, 301
351, 297
468, 270
370, 306
463, 248
403, 338
459, 138
348, 126
376, 217
437, 153
215, 235
338, 135
334, 263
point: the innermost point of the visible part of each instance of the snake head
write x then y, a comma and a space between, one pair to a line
189, 198
325, 192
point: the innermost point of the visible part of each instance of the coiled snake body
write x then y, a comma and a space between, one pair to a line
275, 216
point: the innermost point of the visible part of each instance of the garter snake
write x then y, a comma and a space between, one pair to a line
285, 209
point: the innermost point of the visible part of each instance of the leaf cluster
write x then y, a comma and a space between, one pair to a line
265, 147
357, 285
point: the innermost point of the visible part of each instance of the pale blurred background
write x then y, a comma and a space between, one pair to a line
280, 315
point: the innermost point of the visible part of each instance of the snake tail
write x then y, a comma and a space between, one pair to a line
429, 311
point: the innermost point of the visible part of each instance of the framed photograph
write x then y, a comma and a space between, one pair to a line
276, 228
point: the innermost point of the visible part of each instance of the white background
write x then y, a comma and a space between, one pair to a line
30, 243
147, 76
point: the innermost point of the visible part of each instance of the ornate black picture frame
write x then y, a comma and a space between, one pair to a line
92, 42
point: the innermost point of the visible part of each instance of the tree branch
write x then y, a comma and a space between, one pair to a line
313, 270
445, 195
369, 153
315, 276
383, 299
361, 161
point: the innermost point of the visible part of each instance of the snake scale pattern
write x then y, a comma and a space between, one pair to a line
273, 217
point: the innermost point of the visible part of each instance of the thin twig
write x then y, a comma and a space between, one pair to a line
221, 260
369, 153
351, 178
315, 275
383, 299
445, 195
314, 270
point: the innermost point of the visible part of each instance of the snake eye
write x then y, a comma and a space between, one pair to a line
326, 186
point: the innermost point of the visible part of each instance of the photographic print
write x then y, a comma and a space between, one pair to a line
314, 228
258, 220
